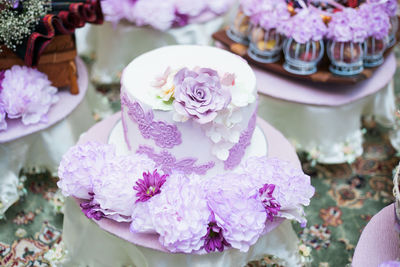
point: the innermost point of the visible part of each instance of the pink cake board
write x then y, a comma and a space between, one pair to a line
66, 104
379, 241
323, 94
278, 147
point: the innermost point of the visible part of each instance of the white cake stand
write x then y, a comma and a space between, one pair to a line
325, 119
42, 145
109, 243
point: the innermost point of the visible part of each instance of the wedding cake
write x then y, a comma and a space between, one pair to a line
187, 163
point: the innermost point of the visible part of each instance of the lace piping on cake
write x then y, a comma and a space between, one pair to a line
236, 153
168, 163
164, 135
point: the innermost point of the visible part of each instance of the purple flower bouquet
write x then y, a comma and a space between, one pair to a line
266, 40
304, 47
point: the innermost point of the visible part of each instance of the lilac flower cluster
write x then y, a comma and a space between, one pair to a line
349, 25
161, 15
25, 93
314, 30
389, 6
376, 20
269, 14
190, 213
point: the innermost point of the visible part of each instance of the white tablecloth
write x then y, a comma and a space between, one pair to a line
330, 134
89, 245
44, 146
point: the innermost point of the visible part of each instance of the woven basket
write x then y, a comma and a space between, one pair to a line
57, 62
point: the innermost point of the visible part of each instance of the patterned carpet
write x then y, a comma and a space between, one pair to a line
346, 199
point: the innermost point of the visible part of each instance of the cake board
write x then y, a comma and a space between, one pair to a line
379, 241
108, 243
43, 144
97, 42
325, 119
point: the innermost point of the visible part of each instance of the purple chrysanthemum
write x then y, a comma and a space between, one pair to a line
271, 205
91, 209
149, 186
214, 239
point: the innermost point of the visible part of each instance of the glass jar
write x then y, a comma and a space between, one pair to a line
240, 29
394, 26
302, 58
373, 52
346, 58
265, 45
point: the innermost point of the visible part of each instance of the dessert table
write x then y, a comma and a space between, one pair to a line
42, 145
325, 119
108, 243
379, 241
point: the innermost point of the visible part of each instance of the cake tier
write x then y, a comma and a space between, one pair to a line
153, 125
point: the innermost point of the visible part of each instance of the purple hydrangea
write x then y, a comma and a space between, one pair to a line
113, 189
179, 214
269, 14
80, 165
214, 239
315, 30
149, 186
293, 188
161, 15
199, 95
389, 6
237, 208
348, 26
377, 20
270, 204
27, 93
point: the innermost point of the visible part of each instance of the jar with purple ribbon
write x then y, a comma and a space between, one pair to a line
378, 24
304, 47
390, 8
347, 32
240, 28
266, 41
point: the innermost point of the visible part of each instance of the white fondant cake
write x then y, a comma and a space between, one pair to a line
218, 144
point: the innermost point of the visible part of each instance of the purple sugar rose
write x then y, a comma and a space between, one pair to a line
199, 95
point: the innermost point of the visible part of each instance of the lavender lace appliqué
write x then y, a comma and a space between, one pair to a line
236, 153
164, 135
168, 163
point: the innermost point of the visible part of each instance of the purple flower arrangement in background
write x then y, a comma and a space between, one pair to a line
331, 26
190, 213
25, 94
161, 15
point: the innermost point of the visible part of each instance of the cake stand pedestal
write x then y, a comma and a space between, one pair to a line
113, 48
42, 145
325, 119
379, 241
109, 243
